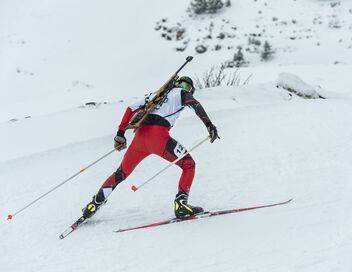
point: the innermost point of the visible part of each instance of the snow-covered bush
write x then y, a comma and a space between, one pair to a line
170, 32
253, 44
335, 3
198, 6
201, 49
214, 5
254, 41
335, 23
296, 85
207, 6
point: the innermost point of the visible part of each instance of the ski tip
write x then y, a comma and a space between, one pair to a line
134, 188
9, 216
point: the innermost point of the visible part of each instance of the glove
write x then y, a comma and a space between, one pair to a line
213, 132
120, 141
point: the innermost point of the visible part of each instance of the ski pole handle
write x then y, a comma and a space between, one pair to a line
135, 188
10, 216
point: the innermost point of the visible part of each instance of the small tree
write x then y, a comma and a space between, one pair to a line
199, 6
238, 58
206, 6
214, 5
267, 52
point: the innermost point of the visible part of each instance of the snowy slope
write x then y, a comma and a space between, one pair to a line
55, 56
279, 149
65, 53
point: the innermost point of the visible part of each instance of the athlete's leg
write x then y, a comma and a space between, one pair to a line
131, 159
172, 151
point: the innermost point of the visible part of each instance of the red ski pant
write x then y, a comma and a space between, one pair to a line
151, 140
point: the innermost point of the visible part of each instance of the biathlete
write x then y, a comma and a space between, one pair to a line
153, 137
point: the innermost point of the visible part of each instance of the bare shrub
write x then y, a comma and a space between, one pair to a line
216, 76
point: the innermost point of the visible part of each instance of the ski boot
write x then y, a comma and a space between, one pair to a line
183, 209
92, 207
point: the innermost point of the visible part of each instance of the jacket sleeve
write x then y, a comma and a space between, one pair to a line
190, 101
126, 118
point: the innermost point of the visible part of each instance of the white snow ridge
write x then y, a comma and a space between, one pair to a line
294, 84
68, 70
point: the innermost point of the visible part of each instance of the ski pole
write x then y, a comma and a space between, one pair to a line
135, 188
10, 216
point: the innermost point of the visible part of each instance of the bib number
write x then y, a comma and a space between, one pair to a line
179, 150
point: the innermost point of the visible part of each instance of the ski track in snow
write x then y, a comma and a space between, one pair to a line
273, 146
298, 149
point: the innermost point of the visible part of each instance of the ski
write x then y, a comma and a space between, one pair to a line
76, 224
73, 227
202, 215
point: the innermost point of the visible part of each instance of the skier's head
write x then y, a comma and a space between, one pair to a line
185, 83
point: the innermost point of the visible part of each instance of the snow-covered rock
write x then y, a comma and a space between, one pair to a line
295, 84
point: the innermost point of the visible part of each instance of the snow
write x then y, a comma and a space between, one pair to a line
274, 145
295, 84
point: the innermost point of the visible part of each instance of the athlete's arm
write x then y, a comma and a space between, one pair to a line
126, 119
190, 101
120, 141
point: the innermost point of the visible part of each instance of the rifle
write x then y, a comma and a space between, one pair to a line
158, 99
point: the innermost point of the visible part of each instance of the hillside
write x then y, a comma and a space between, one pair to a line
279, 149
69, 69
56, 56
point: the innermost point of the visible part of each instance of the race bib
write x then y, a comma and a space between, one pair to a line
179, 150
